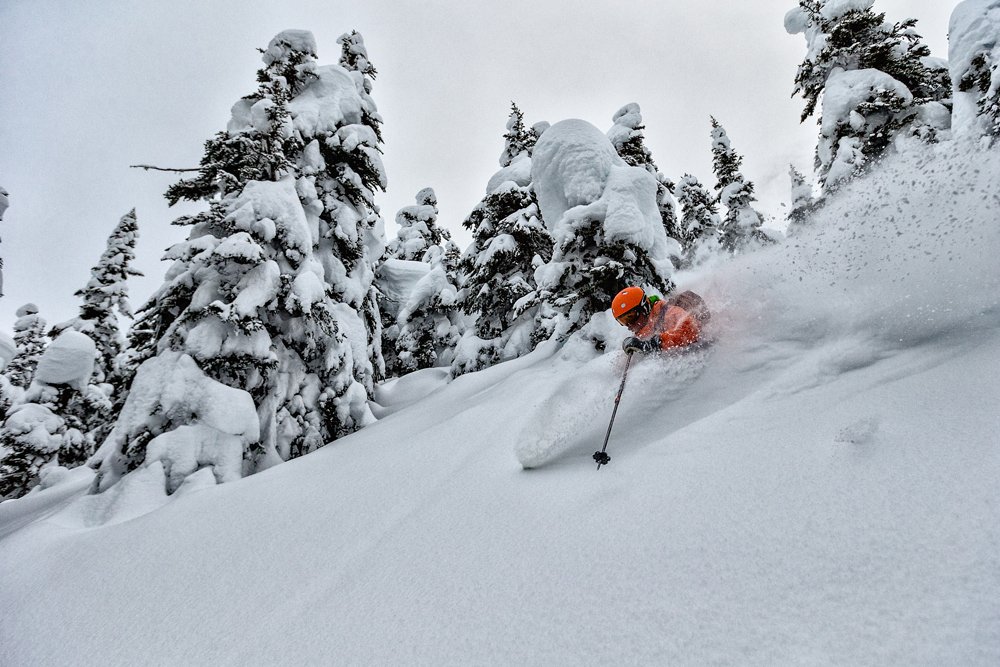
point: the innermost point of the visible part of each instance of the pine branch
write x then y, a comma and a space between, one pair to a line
147, 167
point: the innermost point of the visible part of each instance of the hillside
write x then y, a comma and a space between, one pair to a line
817, 487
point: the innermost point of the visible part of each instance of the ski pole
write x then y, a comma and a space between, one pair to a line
602, 456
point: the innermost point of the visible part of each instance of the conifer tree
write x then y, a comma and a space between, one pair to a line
53, 424
605, 224
627, 137
509, 241
699, 221
518, 139
876, 77
105, 297
974, 59
742, 223
803, 202
29, 337
418, 229
422, 333
278, 272
429, 325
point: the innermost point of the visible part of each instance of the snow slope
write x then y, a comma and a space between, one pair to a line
818, 487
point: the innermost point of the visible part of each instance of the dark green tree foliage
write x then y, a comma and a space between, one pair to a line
518, 138
594, 270
418, 229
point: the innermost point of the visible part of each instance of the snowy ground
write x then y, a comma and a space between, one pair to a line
818, 487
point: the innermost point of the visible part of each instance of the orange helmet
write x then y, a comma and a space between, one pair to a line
629, 304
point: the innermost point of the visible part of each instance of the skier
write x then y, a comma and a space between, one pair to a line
657, 324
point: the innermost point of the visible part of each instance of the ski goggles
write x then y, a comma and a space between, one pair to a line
630, 317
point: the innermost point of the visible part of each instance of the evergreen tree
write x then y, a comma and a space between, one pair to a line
742, 223
418, 229
29, 337
105, 297
518, 139
627, 137
803, 202
275, 281
974, 59
414, 335
52, 425
700, 221
875, 80
429, 325
509, 241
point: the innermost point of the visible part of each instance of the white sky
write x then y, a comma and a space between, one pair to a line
86, 89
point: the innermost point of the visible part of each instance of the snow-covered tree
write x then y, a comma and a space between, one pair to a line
418, 229
272, 292
974, 60
518, 139
509, 241
627, 137
29, 337
422, 332
105, 297
429, 323
699, 220
53, 423
741, 225
604, 219
803, 201
874, 79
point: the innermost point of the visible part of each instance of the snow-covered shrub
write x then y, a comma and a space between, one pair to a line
418, 229
803, 201
429, 322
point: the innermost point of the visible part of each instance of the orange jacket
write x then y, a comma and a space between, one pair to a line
677, 322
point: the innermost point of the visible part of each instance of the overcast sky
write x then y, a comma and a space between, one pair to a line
89, 88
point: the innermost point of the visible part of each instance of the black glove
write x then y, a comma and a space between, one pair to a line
633, 344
